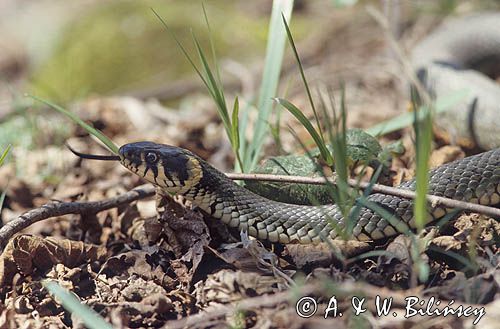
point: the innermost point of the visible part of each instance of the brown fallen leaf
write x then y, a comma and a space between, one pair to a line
20, 195
187, 236
324, 254
479, 289
140, 288
185, 228
395, 267
228, 286
399, 249
239, 257
72, 186
25, 254
484, 230
445, 154
447, 242
140, 263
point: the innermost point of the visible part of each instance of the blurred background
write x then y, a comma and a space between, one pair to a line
98, 58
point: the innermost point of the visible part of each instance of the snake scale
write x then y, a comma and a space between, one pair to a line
179, 171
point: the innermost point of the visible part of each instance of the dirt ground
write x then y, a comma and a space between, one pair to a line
145, 261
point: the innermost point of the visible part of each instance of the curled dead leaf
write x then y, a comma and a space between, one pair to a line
478, 289
449, 243
445, 154
324, 254
227, 286
25, 254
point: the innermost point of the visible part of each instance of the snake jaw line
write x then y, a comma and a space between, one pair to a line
173, 169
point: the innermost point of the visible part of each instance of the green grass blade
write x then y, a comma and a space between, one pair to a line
423, 139
91, 130
423, 130
334, 191
211, 79
234, 124
404, 120
420, 266
2, 199
344, 195
303, 76
216, 90
328, 120
212, 48
2, 159
355, 208
179, 44
242, 127
396, 223
72, 304
297, 113
214, 86
339, 142
272, 68
4, 154
235, 133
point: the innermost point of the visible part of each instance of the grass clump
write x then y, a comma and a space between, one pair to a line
246, 152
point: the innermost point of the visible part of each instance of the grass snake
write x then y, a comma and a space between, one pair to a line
179, 171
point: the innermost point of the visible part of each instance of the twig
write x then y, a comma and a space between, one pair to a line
63, 208
403, 193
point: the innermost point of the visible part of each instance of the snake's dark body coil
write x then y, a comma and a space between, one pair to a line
474, 179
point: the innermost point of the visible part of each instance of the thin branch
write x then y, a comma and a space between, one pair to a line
63, 208
403, 193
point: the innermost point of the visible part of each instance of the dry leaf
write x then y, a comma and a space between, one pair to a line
25, 254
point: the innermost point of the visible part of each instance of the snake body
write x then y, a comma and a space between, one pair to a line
179, 171
461, 60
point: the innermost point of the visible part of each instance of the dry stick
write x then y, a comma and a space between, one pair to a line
63, 208
403, 193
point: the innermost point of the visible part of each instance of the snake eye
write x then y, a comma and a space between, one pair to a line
151, 157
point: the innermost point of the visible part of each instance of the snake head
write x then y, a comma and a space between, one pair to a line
173, 169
